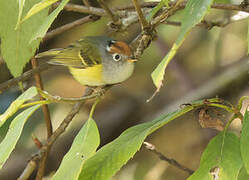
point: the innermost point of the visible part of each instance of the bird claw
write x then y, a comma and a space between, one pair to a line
99, 92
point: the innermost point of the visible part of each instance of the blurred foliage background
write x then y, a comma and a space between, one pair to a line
204, 56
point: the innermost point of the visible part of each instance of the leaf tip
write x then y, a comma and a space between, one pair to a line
155, 93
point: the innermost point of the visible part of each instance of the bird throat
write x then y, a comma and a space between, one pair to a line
114, 72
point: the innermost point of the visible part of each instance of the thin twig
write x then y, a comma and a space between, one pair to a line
46, 114
52, 98
101, 12
143, 21
149, 34
68, 26
121, 12
29, 169
206, 24
45, 109
65, 123
83, 9
171, 161
110, 13
167, 13
62, 126
42, 165
25, 76
233, 7
86, 2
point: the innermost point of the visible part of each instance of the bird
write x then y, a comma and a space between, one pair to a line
94, 60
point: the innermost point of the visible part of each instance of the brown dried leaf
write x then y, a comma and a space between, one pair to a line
206, 121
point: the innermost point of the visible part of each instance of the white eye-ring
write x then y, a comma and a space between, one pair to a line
116, 57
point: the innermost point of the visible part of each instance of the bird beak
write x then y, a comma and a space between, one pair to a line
131, 60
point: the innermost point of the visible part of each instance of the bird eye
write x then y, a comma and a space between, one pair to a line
116, 57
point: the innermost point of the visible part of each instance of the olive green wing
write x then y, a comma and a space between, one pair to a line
80, 54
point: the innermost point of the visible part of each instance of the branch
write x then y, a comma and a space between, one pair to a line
145, 38
45, 109
52, 98
115, 18
47, 119
125, 11
230, 7
83, 9
171, 161
25, 76
86, 2
68, 26
233, 7
167, 13
219, 23
120, 19
143, 21
42, 165
29, 169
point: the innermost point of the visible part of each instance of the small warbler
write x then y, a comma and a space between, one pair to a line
94, 60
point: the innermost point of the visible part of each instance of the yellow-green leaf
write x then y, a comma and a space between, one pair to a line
15, 105
244, 143
83, 147
193, 14
46, 23
154, 10
221, 158
15, 48
222, 1
38, 7
111, 157
21, 5
9, 142
243, 175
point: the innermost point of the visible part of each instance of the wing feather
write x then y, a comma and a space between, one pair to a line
81, 54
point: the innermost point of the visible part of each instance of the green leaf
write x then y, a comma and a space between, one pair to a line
38, 7
244, 143
243, 174
40, 33
193, 14
166, 2
83, 147
111, 157
222, 1
9, 142
248, 37
15, 47
222, 155
15, 105
154, 10
21, 5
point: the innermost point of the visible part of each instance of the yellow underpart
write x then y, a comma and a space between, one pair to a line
91, 76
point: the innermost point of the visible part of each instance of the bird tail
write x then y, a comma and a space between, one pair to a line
48, 54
